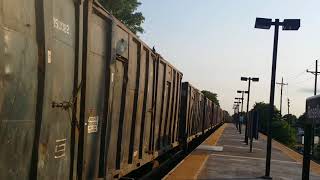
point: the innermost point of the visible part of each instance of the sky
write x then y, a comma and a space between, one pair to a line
214, 43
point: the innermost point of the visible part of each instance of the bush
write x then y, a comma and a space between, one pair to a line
282, 132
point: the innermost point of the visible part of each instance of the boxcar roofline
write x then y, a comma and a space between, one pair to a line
118, 23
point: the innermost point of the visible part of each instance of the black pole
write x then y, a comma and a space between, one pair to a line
271, 104
315, 80
306, 152
251, 130
315, 73
288, 106
242, 101
247, 119
241, 108
240, 130
315, 93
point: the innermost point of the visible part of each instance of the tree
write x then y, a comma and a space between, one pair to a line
263, 110
212, 96
125, 11
290, 119
281, 129
301, 120
284, 133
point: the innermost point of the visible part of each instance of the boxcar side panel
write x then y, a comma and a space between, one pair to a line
159, 103
55, 140
147, 110
184, 112
172, 119
96, 89
175, 136
18, 86
167, 123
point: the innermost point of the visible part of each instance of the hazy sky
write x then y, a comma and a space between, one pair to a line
214, 43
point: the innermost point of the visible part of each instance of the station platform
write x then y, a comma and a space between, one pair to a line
235, 161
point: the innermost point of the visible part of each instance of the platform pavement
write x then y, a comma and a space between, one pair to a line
236, 162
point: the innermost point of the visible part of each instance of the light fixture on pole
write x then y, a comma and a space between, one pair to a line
242, 94
265, 23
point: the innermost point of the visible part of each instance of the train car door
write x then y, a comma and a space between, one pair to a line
59, 34
39, 39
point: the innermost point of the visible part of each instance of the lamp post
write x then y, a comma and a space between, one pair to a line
287, 24
242, 94
249, 79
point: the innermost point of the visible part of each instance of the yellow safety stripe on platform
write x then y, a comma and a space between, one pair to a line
191, 166
213, 139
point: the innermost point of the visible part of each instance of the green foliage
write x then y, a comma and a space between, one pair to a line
301, 120
263, 110
290, 119
281, 130
212, 96
125, 11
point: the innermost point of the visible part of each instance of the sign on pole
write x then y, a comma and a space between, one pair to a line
313, 110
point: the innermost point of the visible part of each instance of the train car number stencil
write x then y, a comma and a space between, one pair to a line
60, 148
57, 24
93, 124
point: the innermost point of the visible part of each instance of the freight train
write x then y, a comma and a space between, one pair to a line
82, 97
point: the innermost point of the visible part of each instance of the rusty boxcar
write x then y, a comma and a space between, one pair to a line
131, 98
198, 114
82, 97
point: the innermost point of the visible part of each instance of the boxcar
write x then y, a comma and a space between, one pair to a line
82, 97
198, 114
38, 52
129, 99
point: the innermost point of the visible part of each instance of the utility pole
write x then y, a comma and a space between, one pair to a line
288, 106
315, 73
281, 84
